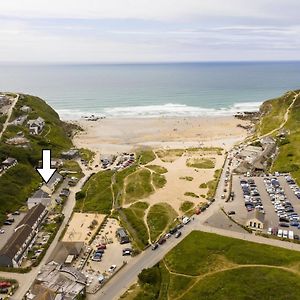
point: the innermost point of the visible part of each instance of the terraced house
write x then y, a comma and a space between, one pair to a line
16, 248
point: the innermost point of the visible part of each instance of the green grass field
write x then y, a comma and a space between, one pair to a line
191, 194
201, 163
159, 217
288, 159
145, 156
169, 155
273, 113
87, 154
186, 206
157, 169
212, 184
159, 181
72, 169
213, 267
135, 224
96, 194
138, 186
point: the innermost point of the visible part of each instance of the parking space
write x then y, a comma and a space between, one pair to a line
104, 256
274, 196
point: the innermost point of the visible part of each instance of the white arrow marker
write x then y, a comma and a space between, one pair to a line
46, 172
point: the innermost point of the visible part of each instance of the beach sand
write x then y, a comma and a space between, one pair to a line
113, 135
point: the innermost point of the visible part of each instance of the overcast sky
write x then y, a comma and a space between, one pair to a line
148, 30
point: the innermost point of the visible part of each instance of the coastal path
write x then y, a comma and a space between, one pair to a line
9, 115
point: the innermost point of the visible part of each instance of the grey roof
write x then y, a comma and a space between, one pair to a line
9, 161
18, 238
56, 177
40, 194
256, 214
32, 215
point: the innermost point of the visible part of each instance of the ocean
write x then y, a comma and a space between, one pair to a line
153, 90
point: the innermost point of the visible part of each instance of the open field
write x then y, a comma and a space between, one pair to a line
138, 186
209, 266
201, 163
159, 217
96, 194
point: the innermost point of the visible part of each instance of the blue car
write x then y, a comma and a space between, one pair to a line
296, 224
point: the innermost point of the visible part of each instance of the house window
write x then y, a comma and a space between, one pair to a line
254, 224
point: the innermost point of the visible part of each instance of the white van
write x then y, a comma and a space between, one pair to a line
285, 234
279, 234
291, 235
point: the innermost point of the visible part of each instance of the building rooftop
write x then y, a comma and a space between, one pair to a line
32, 215
13, 245
40, 194
256, 214
56, 177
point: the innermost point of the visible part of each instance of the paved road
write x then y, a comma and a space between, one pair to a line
9, 115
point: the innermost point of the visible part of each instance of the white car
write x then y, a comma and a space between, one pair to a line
112, 268
2, 231
186, 220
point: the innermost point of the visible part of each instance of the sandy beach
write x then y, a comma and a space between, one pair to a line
114, 135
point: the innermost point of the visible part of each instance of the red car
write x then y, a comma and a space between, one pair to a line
101, 246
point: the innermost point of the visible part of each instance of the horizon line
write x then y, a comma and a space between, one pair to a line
146, 63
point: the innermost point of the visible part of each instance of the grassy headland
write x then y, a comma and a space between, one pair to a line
17, 184
209, 266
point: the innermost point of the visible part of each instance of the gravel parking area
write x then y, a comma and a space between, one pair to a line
112, 254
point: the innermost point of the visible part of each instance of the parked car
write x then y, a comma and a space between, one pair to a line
173, 230
178, 234
154, 246
7, 222
101, 246
186, 220
2, 231
162, 240
112, 268
284, 225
